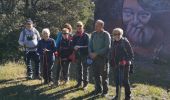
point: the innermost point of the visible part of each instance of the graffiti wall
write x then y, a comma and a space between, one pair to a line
146, 24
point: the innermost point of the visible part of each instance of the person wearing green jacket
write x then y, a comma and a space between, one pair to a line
99, 46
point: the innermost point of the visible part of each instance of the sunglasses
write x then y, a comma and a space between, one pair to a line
116, 34
79, 25
28, 23
64, 33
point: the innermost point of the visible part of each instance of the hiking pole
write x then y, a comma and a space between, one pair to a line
45, 65
61, 70
47, 73
120, 75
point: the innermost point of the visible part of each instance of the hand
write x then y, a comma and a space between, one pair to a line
123, 62
93, 55
45, 50
56, 54
76, 47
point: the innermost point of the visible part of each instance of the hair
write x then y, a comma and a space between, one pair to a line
100, 22
46, 30
80, 23
68, 26
65, 30
119, 30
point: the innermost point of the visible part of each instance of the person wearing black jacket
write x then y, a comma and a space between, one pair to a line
46, 49
80, 44
121, 55
64, 51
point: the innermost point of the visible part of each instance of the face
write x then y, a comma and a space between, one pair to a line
29, 25
134, 14
46, 35
65, 35
80, 28
117, 36
136, 20
98, 27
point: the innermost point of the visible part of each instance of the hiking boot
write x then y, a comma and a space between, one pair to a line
104, 94
85, 85
30, 77
78, 85
51, 84
65, 83
38, 77
96, 92
57, 83
127, 97
115, 98
45, 82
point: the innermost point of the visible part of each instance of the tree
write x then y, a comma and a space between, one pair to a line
52, 14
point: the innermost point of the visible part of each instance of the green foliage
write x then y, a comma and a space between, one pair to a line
52, 14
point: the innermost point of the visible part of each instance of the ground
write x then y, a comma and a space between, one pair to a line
148, 83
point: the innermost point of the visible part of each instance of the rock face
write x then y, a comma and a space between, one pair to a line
145, 24
110, 11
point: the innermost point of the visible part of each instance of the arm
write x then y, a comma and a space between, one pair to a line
74, 41
53, 49
21, 39
39, 48
86, 42
130, 53
90, 44
38, 35
58, 39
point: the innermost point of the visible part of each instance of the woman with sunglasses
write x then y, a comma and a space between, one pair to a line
64, 51
80, 44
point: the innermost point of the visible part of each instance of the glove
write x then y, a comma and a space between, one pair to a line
123, 62
56, 54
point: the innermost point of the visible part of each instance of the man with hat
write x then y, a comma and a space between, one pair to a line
29, 38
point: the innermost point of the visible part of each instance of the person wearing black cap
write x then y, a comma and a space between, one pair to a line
29, 38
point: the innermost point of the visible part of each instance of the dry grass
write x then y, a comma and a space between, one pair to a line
13, 86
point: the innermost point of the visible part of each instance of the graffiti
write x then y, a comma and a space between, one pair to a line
145, 23
140, 29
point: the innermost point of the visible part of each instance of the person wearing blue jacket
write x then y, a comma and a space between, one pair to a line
46, 49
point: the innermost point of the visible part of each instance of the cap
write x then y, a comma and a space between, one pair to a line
29, 21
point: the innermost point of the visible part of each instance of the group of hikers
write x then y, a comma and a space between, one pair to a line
100, 51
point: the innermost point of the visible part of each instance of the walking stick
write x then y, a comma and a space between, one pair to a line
45, 66
120, 75
61, 70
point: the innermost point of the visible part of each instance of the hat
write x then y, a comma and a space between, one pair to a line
29, 21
